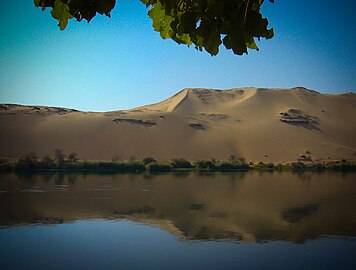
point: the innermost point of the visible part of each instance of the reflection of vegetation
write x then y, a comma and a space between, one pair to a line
181, 174
59, 179
296, 214
196, 207
137, 210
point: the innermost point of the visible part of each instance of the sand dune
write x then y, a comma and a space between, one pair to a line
257, 124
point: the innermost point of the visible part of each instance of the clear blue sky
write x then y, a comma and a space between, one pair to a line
121, 62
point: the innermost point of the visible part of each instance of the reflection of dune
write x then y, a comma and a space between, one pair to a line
164, 224
297, 214
255, 123
254, 208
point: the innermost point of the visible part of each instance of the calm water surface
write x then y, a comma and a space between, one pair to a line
178, 221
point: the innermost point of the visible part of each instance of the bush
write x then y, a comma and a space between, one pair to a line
59, 157
342, 165
105, 166
135, 166
229, 166
73, 157
148, 160
47, 163
319, 166
298, 165
206, 164
279, 166
181, 163
28, 162
7, 166
122, 166
81, 166
270, 166
158, 167
264, 166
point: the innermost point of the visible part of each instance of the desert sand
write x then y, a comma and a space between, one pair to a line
258, 124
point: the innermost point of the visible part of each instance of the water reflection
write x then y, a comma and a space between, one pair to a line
236, 206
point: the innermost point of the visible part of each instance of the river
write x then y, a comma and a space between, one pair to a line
250, 220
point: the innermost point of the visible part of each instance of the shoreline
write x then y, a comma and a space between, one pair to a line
184, 166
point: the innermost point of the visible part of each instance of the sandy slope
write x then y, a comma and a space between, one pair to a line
195, 124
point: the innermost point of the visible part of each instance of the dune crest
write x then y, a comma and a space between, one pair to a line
258, 124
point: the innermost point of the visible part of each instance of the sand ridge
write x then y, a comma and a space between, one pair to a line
258, 124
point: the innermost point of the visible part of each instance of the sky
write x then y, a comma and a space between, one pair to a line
121, 62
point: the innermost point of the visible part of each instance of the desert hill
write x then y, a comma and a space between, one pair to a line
257, 124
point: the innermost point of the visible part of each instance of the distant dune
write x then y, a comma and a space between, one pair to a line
278, 125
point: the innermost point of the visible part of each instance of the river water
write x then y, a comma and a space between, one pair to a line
178, 221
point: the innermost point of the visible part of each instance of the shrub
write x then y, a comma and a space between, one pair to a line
228, 165
270, 166
47, 163
181, 163
264, 166
342, 165
205, 164
135, 166
28, 162
59, 157
279, 166
122, 166
158, 167
73, 157
148, 160
7, 166
298, 165
319, 166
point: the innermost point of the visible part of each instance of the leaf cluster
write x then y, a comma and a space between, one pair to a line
209, 23
63, 10
206, 24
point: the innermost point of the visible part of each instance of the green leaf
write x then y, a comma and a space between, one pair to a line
252, 44
60, 12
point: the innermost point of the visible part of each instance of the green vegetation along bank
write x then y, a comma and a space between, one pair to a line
61, 162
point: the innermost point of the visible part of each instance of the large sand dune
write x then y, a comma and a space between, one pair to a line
257, 124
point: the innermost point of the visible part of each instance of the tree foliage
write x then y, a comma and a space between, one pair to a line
206, 24
73, 157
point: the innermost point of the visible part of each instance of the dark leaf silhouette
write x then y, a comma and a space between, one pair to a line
206, 24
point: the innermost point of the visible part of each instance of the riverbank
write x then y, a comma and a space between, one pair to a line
28, 165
